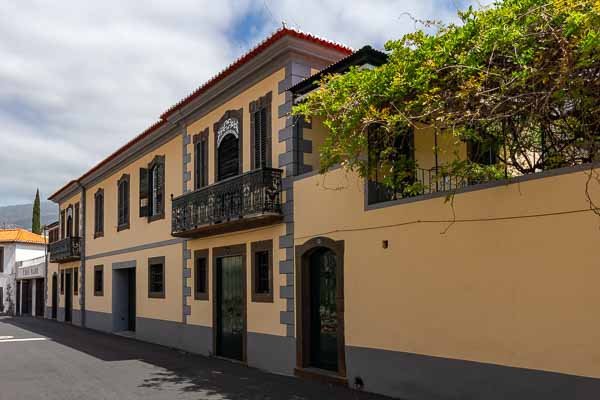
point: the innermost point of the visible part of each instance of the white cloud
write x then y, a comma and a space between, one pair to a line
79, 79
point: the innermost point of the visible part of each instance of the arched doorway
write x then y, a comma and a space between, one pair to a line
54, 295
320, 316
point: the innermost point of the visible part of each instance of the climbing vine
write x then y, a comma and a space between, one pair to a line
520, 78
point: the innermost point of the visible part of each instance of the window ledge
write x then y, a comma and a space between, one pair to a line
200, 296
123, 227
262, 297
156, 217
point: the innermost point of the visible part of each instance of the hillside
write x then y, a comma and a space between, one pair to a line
20, 215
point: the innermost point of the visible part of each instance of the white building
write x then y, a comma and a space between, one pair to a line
22, 272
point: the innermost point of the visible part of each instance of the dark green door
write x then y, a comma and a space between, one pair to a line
68, 297
54, 295
230, 307
323, 311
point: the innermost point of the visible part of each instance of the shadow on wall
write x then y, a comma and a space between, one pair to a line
192, 373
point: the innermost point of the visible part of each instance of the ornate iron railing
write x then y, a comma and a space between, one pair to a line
427, 181
67, 249
252, 194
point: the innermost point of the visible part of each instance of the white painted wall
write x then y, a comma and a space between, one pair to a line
28, 251
14, 252
8, 276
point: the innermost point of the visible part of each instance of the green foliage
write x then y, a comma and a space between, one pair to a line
35, 221
522, 75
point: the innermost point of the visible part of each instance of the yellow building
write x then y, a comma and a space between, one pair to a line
213, 233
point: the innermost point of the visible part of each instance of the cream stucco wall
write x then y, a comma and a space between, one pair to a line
514, 291
169, 308
64, 205
61, 296
261, 317
141, 231
51, 269
242, 101
449, 147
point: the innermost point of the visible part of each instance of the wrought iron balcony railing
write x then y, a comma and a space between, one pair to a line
240, 202
427, 181
64, 250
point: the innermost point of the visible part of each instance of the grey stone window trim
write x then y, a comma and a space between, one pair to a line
155, 262
263, 103
123, 202
259, 250
200, 159
158, 162
99, 213
99, 283
201, 256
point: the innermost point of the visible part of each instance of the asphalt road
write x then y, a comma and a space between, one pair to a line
42, 359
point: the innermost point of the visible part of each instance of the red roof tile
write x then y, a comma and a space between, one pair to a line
211, 82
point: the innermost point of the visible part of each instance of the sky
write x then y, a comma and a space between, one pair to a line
78, 79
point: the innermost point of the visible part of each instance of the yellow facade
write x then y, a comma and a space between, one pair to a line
508, 283
500, 280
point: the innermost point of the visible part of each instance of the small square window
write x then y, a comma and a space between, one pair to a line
98, 280
201, 275
262, 271
156, 277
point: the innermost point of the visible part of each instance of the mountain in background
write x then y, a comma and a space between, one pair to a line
20, 215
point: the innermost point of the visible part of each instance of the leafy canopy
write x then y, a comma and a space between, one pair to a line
522, 77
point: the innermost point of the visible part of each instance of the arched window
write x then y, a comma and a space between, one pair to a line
123, 203
228, 145
99, 213
69, 221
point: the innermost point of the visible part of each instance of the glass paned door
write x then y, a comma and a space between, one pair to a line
323, 311
230, 307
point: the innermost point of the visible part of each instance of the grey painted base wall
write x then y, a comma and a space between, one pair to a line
413, 376
76, 317
271, 353
98, 320
403, 375
192, 338
60, 314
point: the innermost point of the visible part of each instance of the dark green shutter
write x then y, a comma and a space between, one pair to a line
144, 186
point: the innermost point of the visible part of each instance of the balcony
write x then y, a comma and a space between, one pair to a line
241, 202
65, 250
428, 181
30, 269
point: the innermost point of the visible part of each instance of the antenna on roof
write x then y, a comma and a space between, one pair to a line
283, 24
